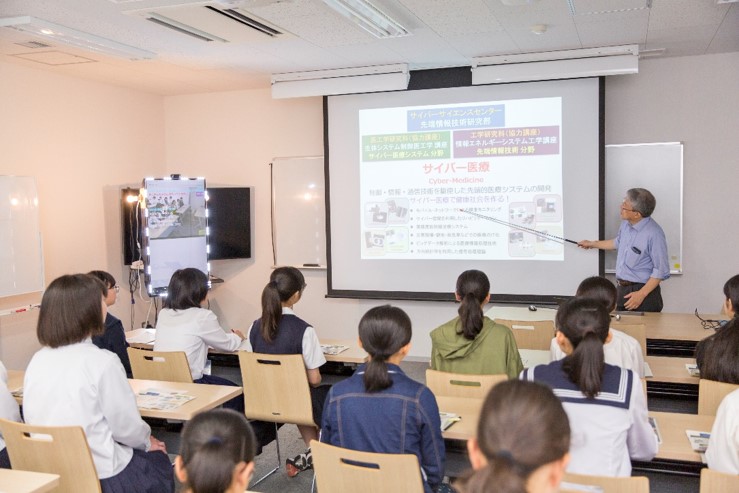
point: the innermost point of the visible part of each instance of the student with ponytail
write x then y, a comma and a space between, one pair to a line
280, 331
522, 442
472, 343
217, 453
605, 404
379, 409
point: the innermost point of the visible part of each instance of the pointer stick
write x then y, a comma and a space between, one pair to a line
522, 228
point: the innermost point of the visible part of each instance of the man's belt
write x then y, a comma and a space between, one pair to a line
623, 283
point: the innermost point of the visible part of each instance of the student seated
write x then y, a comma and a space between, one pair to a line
216, 453
186, 325
472, 343
723, 446
71, 382
380, 409
8, 410
718, 355
606, 405
280, 331
522, 442
620, 349
114, 338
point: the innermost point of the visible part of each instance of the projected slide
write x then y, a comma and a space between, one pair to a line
176, 227
428, 174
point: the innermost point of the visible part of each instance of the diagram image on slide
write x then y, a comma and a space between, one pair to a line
426, 168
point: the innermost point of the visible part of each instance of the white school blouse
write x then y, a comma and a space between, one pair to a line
623, 350
8, 407
193, 330
82, 385
723, 446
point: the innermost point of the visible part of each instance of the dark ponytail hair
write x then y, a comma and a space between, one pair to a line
213, 443
522, 427
599, 289
473, 287
283, 283
585, 323
718, 354
383, 330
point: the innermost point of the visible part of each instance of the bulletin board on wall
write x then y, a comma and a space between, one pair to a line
658, 167
298, 212
21, 253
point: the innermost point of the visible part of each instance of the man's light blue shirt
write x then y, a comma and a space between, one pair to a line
642, 251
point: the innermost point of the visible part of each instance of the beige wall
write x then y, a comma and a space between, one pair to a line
81, 141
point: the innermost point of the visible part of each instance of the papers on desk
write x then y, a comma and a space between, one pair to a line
17, 392
162, 400
590, 488
532, 357
693, 370
653, 422
333, 349
647, 371
141, 336
448, 419
698, 440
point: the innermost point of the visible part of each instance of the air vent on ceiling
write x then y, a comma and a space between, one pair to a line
210, 21
34, 44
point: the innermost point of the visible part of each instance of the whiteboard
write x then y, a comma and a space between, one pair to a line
298, 211
21, 255
657, 167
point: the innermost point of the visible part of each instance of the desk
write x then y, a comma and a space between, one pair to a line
675, 454
206, 396
468, 409
671, 378
14, 481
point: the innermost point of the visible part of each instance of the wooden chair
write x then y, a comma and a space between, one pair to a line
339, 470
710, 395
167, 366
718, 482
276, 390
531, 335
58, 450
633, 484
460, 385
637, 331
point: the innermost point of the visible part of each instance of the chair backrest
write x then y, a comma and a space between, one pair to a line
339, 470
531, 335
276, 388
718, 482
460, 385
637, 331
634, 484
58, 450
710, 395
167, 366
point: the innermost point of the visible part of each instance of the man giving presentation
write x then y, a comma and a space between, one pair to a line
641, 263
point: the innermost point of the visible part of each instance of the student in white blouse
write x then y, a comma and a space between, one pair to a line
8, 410
186, 325
723, 447
620, 349
71, 382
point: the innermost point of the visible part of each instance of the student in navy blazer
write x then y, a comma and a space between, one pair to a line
114, 337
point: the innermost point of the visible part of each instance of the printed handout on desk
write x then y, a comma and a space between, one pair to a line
653, 422
693, 370
333, 349
162, 400
648, 371
141, 336
448, 419
17, 392
698, 440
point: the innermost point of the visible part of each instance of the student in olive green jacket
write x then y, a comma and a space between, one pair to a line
472, 343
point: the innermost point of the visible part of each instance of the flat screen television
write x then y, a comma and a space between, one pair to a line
229, 222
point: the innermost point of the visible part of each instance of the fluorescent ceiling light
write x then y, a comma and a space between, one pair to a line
570, 64
368, 17
340, 81
72, 37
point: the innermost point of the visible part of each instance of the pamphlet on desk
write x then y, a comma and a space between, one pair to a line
333, 349
699, 442
693, 370
448, 419
163, 400
141, 336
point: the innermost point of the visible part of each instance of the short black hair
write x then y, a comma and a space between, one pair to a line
106, 277
187, 289
71, 310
